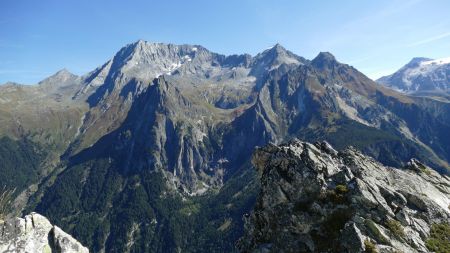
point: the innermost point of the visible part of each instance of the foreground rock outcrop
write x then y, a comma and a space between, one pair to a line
35, 233
315, 199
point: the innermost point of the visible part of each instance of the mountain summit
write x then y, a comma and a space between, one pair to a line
324, 60
273, 57
420, 75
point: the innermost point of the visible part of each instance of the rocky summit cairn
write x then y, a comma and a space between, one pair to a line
35, 233
315, 199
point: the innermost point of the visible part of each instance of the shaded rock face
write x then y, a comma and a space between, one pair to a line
35, 233
315, 199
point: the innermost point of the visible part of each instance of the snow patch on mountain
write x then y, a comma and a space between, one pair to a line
420, 74
437, 62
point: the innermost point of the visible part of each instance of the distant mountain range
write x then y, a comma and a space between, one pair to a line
420, 75
151, 151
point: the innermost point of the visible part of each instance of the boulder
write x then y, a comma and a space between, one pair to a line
33, 234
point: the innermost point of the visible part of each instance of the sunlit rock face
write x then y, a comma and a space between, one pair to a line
34, 233
315, 199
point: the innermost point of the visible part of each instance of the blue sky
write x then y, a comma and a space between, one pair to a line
38, 38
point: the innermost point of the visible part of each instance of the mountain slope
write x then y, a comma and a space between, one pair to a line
420, 75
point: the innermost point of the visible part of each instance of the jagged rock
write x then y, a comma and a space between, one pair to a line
35, 233
302, 207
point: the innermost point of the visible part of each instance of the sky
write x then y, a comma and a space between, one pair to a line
38, 38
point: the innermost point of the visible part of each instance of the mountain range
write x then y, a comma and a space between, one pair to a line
150, 152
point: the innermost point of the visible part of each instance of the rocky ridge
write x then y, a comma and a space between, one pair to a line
315, 199
34, 233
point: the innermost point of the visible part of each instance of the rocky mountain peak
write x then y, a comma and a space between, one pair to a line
62, 76
324, 60
143, 48
278, 48
420, 75
140, 42
315, 199
64, 73
416, 60
271, 59
147, 60
275, 56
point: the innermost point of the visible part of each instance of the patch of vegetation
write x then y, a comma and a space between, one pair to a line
373, 229
190, 209
382, 144
427, 171
439, 240
357, 134
341, 189
20, 162
81, 198
225, 225
6, 198
396, 228
423, 169
338, 195
302, 206
327, 238
336, 221
369, 246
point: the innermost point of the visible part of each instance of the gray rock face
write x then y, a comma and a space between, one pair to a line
35, 233
315, 199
